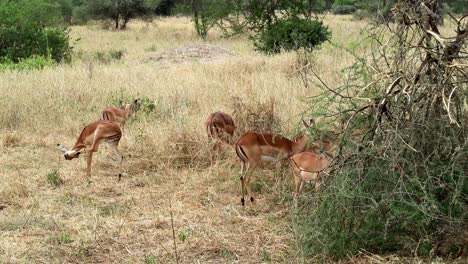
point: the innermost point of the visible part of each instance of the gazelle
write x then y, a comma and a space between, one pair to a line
308, 166
254, 147
220, 126
90, 138
118, 115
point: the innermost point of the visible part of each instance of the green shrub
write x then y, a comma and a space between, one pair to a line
30, 28
116, 54
146, 105
54, 179
109, 56
150, 259
292, 34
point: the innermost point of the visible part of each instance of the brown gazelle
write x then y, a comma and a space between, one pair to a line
220, 126
308, 166
118, 115
90, 138
254, 147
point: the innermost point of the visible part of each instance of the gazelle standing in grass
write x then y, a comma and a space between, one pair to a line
308, 166
119, 115
90, 138
220, 126
254, 147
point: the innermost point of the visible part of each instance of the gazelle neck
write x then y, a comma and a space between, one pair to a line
299, 145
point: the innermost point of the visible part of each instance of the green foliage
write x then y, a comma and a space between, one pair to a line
150, 259
54, 179
30, 28
60, 238
145, 105
399, 182
265, 255
34, 62
343, 9
344, 2
109, 56
66, 9
378, 10
184, 234
292, 34
121, 11
208, 13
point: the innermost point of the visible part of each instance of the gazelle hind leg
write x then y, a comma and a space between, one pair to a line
115, 150
117, 157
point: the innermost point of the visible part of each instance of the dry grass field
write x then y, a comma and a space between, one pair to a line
50, 212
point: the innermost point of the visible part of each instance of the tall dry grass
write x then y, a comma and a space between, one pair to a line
106, 220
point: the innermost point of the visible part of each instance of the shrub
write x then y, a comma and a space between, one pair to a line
30, 28
399, 182
54, 179
107, 57
292, 34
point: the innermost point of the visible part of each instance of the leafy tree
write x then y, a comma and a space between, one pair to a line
287, 24
165, 8
273, 25
121, 11
66, 8
208, 13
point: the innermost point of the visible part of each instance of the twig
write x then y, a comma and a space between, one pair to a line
328, 88
173, 232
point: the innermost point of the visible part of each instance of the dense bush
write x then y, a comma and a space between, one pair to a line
29, 28
399, 182
292, 34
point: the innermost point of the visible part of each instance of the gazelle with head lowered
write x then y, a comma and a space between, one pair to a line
308, 166
220, 126
90, 138
119, 115
255, 147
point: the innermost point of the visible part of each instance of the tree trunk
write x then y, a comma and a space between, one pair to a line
124, 23
116, 20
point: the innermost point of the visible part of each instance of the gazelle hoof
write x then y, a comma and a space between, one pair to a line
242, 201
252, 199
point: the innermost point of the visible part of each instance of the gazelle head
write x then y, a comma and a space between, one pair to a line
132, 107
68, 154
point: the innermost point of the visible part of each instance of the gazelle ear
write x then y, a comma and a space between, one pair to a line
61, 148
307, 125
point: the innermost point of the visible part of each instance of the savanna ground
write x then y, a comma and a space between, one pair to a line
50, 213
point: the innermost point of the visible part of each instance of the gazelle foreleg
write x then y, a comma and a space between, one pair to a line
89, 161
246, 179
243, 171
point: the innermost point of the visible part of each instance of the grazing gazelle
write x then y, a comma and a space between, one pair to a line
118, 115
220, 126
254, 147
90, 138
308, 166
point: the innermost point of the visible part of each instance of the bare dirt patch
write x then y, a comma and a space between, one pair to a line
199, 53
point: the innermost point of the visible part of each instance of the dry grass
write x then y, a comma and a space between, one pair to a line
128, 221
